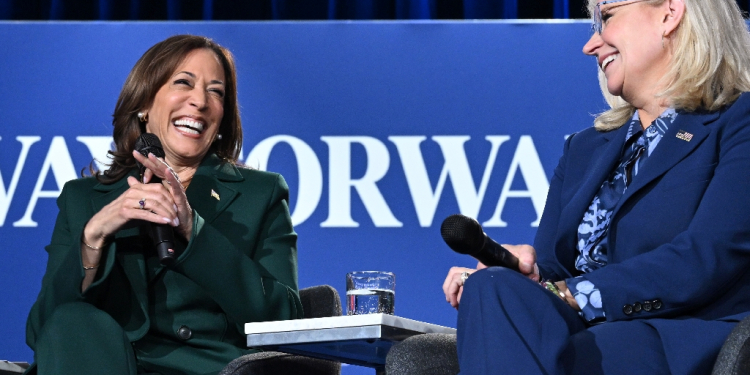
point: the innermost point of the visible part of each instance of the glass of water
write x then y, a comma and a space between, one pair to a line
370, 292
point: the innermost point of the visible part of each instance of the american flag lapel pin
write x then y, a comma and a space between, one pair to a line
685, 136
215, 195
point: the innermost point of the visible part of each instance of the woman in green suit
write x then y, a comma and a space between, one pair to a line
107, 305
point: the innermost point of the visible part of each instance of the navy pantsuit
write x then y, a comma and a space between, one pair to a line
679, 239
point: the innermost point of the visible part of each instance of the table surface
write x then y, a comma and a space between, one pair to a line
357, 339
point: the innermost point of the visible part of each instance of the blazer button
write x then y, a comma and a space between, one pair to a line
647, 306
184, 333
657, 304
637, 307
627, 309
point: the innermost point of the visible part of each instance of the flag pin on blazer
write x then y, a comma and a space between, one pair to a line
685, 136
215, 195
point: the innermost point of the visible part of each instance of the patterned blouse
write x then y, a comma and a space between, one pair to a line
592, 232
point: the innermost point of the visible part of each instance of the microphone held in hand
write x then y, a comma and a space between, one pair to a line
162, 234
465, 235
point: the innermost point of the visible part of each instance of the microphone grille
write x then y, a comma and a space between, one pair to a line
148, 142
462, 234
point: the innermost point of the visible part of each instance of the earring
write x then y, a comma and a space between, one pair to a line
219, 137
142, 117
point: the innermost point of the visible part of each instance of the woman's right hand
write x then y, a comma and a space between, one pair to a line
526, 255
159, 207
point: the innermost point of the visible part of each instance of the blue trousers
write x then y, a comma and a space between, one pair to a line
507, 324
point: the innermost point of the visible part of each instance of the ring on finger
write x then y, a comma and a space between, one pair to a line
142, 204
464, 276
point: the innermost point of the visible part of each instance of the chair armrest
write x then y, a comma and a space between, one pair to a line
320, 301
426, 354
734, 357
277, 363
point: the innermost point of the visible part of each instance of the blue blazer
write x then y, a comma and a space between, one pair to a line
681, 232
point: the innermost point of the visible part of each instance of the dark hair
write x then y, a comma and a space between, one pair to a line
148, 75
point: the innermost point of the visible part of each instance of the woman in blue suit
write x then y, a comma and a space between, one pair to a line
645, 237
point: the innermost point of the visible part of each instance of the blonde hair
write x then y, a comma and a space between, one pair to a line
710, 64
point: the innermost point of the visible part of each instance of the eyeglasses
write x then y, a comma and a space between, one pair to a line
596, 27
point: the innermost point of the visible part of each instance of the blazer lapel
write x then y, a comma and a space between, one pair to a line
211, 192
671, 150
605, 156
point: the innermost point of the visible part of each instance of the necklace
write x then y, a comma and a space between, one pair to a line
186, 182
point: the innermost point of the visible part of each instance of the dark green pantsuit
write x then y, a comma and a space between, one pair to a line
239, 266
80, 339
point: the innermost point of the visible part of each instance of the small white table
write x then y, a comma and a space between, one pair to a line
362, 340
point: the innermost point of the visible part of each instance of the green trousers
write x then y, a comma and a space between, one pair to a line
80, 339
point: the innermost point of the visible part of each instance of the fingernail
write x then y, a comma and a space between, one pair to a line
167, 220
176, 222
175, 207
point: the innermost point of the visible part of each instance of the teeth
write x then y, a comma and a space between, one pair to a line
609, 60
190, 126
190, 130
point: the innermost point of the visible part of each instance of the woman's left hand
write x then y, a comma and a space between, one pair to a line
159, 168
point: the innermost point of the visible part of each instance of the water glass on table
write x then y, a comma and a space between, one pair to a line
370, 292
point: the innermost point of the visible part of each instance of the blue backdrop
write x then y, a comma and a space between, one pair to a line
403, 123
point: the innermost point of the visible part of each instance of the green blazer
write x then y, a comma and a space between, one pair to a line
240, 266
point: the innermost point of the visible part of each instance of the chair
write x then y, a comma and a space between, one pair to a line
734, 357
426, 354
435, 354
317, 302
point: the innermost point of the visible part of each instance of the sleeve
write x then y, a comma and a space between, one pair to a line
250, 285
64, 274
588, 297
701, 269
544, 242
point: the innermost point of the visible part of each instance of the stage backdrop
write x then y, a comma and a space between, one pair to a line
381, 129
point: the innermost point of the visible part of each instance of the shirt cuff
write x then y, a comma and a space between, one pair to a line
588, 297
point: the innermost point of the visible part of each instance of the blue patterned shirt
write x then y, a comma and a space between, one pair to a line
592, 232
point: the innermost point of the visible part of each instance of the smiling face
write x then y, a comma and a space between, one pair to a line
188, 108
630, 49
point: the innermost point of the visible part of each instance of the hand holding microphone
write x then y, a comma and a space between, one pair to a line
162, 234
466, 236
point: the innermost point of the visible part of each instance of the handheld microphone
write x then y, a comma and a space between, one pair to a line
465, 235
162, 234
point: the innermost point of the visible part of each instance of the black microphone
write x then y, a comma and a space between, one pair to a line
465, 235
162, 234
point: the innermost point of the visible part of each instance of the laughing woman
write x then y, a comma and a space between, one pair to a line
107, 305
645, 236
